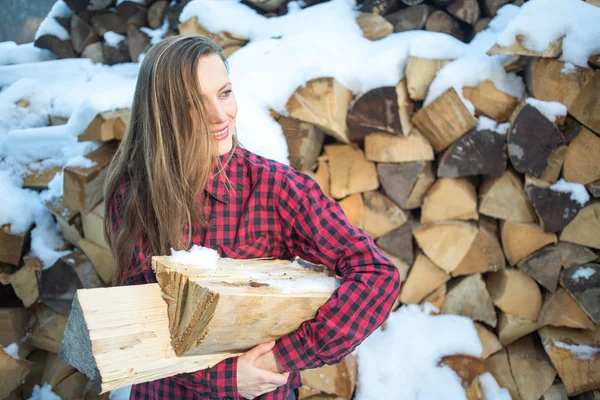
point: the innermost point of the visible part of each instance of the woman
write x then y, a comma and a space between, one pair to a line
180, 178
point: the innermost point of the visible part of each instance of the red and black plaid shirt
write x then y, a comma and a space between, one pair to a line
276, 211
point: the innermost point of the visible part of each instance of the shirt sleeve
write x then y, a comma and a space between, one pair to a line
316, 229
218, 382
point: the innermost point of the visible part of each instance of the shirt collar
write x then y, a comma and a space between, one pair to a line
216, 185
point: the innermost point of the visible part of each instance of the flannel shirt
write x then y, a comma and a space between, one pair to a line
275, 211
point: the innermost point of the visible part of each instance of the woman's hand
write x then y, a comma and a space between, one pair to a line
252, 380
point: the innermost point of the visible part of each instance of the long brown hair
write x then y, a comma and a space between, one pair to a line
165, 157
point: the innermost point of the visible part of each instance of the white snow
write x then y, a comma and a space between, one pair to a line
120, 394
12, 350
43, 393
157, 34
312, 284
490, 388
541, 22
485, 123
403, 359
577, 190
550, 109
568, 68
50, 26
11, 53
81, 162
581, 351
133, 1
583, 273
113, 39
199, 256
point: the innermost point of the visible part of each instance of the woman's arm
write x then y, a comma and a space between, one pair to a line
316, 229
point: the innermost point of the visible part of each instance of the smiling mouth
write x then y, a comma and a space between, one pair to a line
222, 133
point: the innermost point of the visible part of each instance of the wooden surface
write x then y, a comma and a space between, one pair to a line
350, 172
382, 147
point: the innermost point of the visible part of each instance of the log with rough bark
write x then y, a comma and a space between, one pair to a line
323, 102
304, 140
386, 148
561, 310
585, 227
444, 120
491, 101
583, 282
582, 164
14, 245
544, 266
350, 172
468, 297
585, 107
532, 369
83, 186
450, 199
107, 126
373, 26
424, 278
419, 75
521, 239
411, 18
553, 50
375, 111
555, 209
515, 293
504, 198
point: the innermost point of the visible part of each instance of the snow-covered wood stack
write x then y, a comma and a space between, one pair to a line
478, 174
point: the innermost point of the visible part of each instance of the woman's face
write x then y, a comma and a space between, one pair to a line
219, 100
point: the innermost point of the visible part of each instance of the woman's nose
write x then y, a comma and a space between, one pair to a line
217, 113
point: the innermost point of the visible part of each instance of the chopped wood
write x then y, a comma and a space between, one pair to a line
466, 367
156, 13
46, 327
481, 24
323, 102
14, 245
468, 297
572, 254
58, 285
350, 172
13, 322
304, 140
116, 54
440, 21
555, 165
424, 278
373, 26
38, 358
94, 52
476, 153
511, 328
531, 140
13, 372
223, 39
227, 51
132, 13
56, 370
83, 186
72, 387
402, 267
108, 21
504, 198
556, 392
570, 129
201, 304
100, 257
474, 391
381, 215
91, 5
484, 255
379, 7
406, 108
594, 189
337, 380
354, 209
560, 309
585, 227
82, 33
555, 209
465, 10
583, 282
491, 7
137, 42
39, 179
93, 225
582, 164
420, 73
69, 220
375, 111
489, 340
386, 148
532, 369
520, 239
61, 48
553, 51
444, 120
515, 293
399, 243
546, 81
322, 176
594, 61
85, 271
543, 266
25, 280
499, 366
576, 356
450, 199
411, 18
436, 298
515, 63
490, 101
586, 105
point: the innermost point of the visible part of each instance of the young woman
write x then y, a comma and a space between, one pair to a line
180, 178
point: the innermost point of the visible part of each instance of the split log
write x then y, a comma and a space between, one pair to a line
38, 358
543, 266
561, 310
555, 209
574, 255
532, 369
499, 366
531, 140
594, 61
585, 227
521, 239
440, 21
511, 328
378, 7
546, 80
436, 298
504, 198
336, 380
46, 327
466, 10
556, 392
386, 148
420, 73
491, 7
132, 13
399, 243
474, 391
411, 18
14, 245
304, 140
69, 220
85, 271
373, 26
490, 101
583, 282
450, 199
515, 63
354, 208
466, 367
61, 48
39, 179
484, 255
594, 188
201, 303
93, 225
476, 153
582, 164
406, 108
424, 278
137, 42
350, 172
468, 297
555, 165
515, 293
481, 24
108, 22
58, 285
323, 102
444, 120
82, 33
553, 51
400, 181
489, 340
586, 105
321, 176
570, 128
100, 257
25, 280
90, 5
94, 52
73, 387
223, 39
116, 54
381, 215
56, 370
13, 372
576, 356
375, 111
156, 13
13, 323
83, 186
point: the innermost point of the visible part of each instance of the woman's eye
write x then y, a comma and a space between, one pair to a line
226, 93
